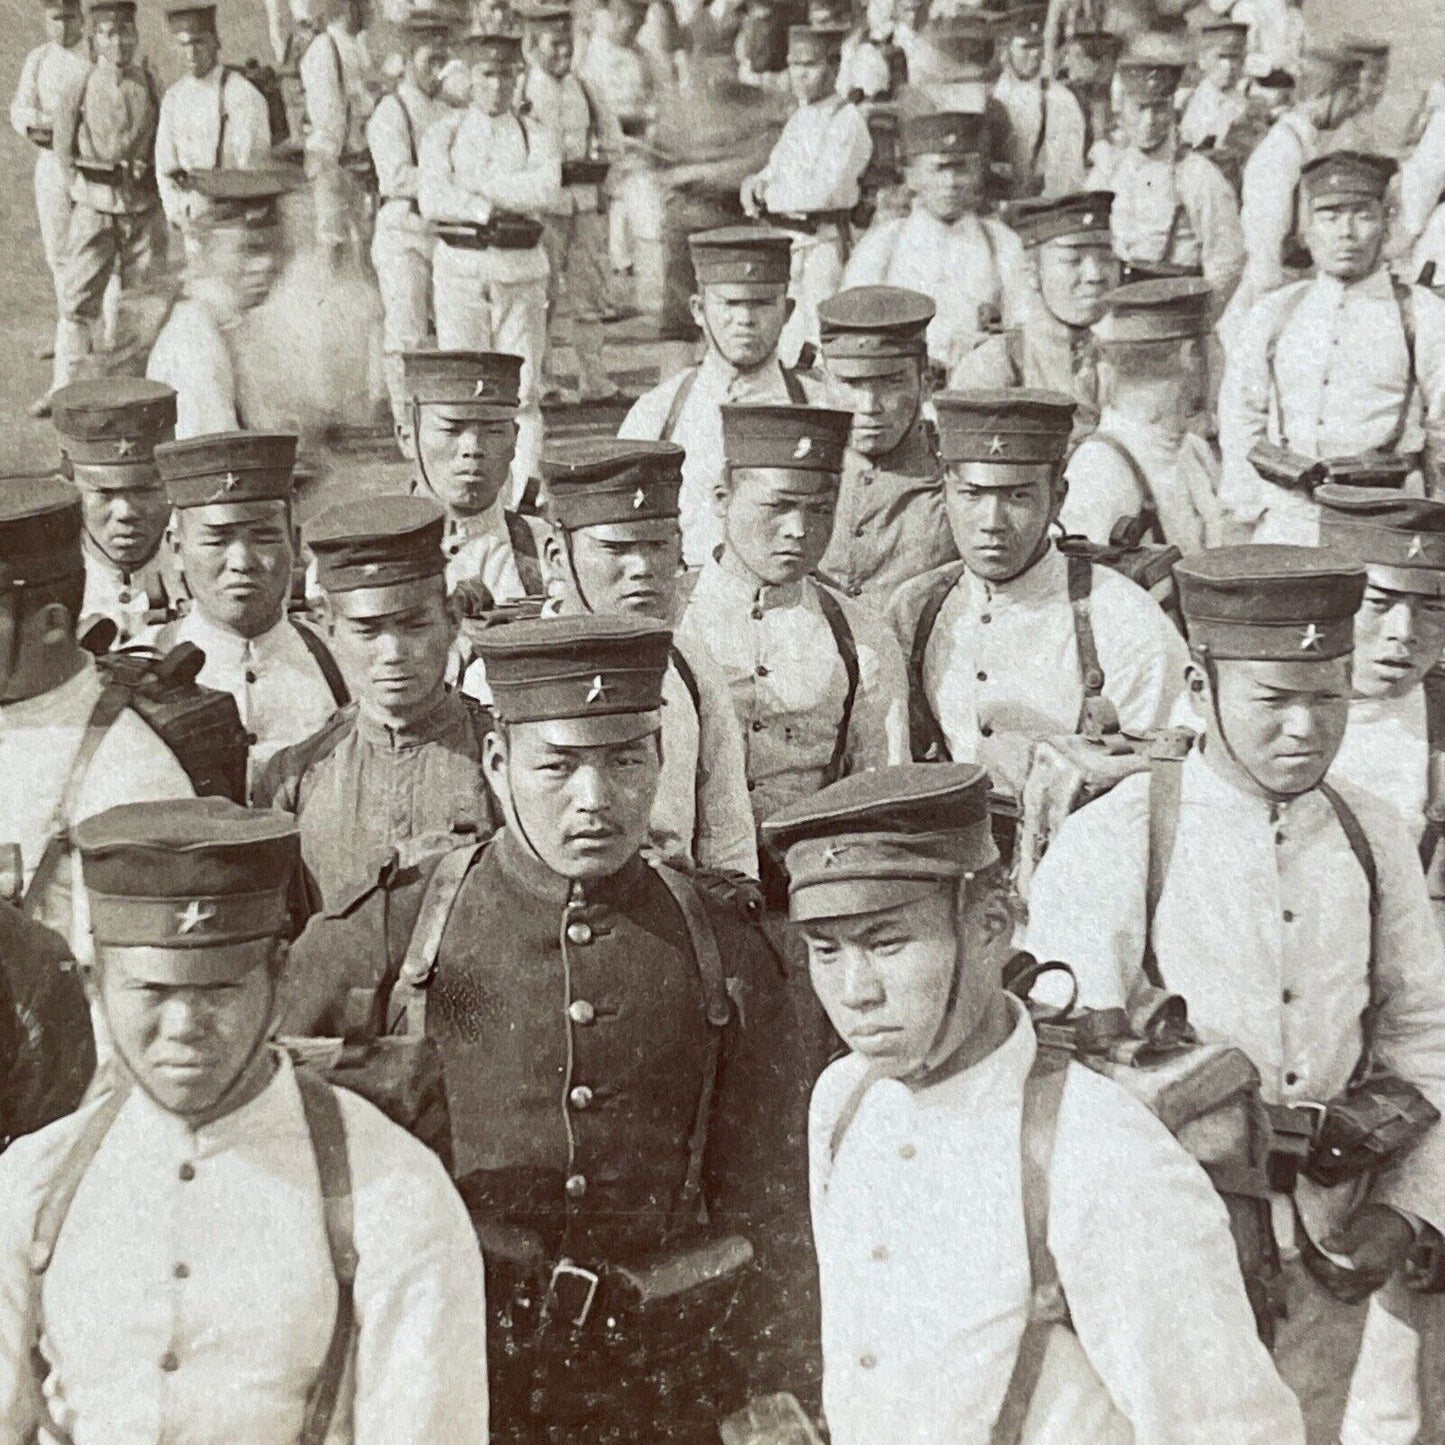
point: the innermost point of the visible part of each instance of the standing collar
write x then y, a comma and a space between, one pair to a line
1046, 578
739, 587
435, 723
523, 868
914, 456
718, 372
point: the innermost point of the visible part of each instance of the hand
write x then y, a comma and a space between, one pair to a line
749, 197
1376, 1238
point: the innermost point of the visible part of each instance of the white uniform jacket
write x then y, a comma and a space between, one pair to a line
218, 120
817, 160
1046, 132
1386, 753
394, 133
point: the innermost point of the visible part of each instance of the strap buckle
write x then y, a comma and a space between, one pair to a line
571, 1293
1294, 1131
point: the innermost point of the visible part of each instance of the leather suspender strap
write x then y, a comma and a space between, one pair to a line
410, 128
321, 656
1271, 354
688, 677
850, 1108
221, 117
1171, 236
1140, 478
341, 86
108, 707
847, 646
328, 1142
794, 387
1434, 834
418, 966
1039, 139
1098, 715
679, 400
1043, 1095
1166, 782
929, 743
1405, 301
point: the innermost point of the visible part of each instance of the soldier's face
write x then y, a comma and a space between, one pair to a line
237, 562
777, 523
1284, 720
494, 87
552, 50
885, 978
743, 322
1224, 68
1147, 124
467, 460
127, 526
884, 405
584, 809
1374, 81
945, 187
198, 52
625, 21
426, 66
188, 1046
1399, 637
1026, 56
1345, 238
62, 27
397, 661
623, 567
245, 261
115, 39
1074, 278
811, 79
998, 529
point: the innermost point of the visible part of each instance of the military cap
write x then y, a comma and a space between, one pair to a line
541, 13
1270, 603
191, 19
482, 47
1367, 46
1102, 45
741, 255
1146, 78
1400, 539
372, 554
227, 467
1347, 176
868, 327
486, 384
243, 198
1081, 215
1026, 18
882, 838
957, 134
110, 427
789, 438
831, 14
1172, 309
419, 26
40, 529
815, 42
593, 481
1224, 35
1004, 428
1322, 69
603, 674
969, 36
117, 9
61, 7
189, 875
1277, 79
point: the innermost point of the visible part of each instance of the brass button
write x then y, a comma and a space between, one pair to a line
983, 677
169, 1363
1287, 996
757, 724
250, 676
581, 1097
986, 618
187, 1172
579, 933
985, 730
124, 596
907, 1151
1288, 915
576, 1186
762, 669
880, 1252
867, 1360
757, 614
1291, 1078
581, 1012
182, 1271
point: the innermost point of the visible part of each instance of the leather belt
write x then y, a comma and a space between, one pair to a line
809, 223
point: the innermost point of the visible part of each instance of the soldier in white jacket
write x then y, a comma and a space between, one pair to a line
926, 1209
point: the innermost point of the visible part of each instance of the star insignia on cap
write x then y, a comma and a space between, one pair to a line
598, 691
951, 139
1311, 640
1091, 220
370, 569
193, 916
480, 389
803, 448
124, 447
750, 268
995, 446
1417, 547
831, 854
639, 499
231, 482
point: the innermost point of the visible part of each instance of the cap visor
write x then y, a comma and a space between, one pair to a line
206, 967
1001, 474
365, 602
746, 290
859, 368
599, 731
120, 477
1419, 581
844, 898
469, 410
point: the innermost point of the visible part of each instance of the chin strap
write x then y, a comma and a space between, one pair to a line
955, 988
1212, 673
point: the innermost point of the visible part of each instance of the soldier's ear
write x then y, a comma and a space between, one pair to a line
790, 305
694, 307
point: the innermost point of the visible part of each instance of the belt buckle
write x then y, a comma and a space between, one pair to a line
571, 1293
1317, 1113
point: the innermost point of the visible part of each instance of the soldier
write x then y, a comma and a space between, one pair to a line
49, 70
108, 432
1269, 210
218, 1215
402, 243
816, 680
236, 245
1217, 103
967, 262
232, 496
583, 1002
586, 137
211, 118
404, 760
929, 1329
463, 427
105, 129
1143, 466
1000, 651
1070, 268
741, 305
1046, 131
889, 524
1361, 132
1327, 909
810, 183
1174, 211
1277, 35
489, 173
59, 761
1351, 361
615, 547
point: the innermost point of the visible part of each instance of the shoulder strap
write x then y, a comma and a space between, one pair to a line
418, 966
849, 1111
679, 400
1405, 301
327, 1129
1038, 147
1166, 781
929, 743
524, 553
321, 656
108, 707
794, 387
1271, 353
1137, 473
1434, 834
221, 118
688, 677
406, 120
1359, 842
1098, 715
1043, 1095
847, 646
